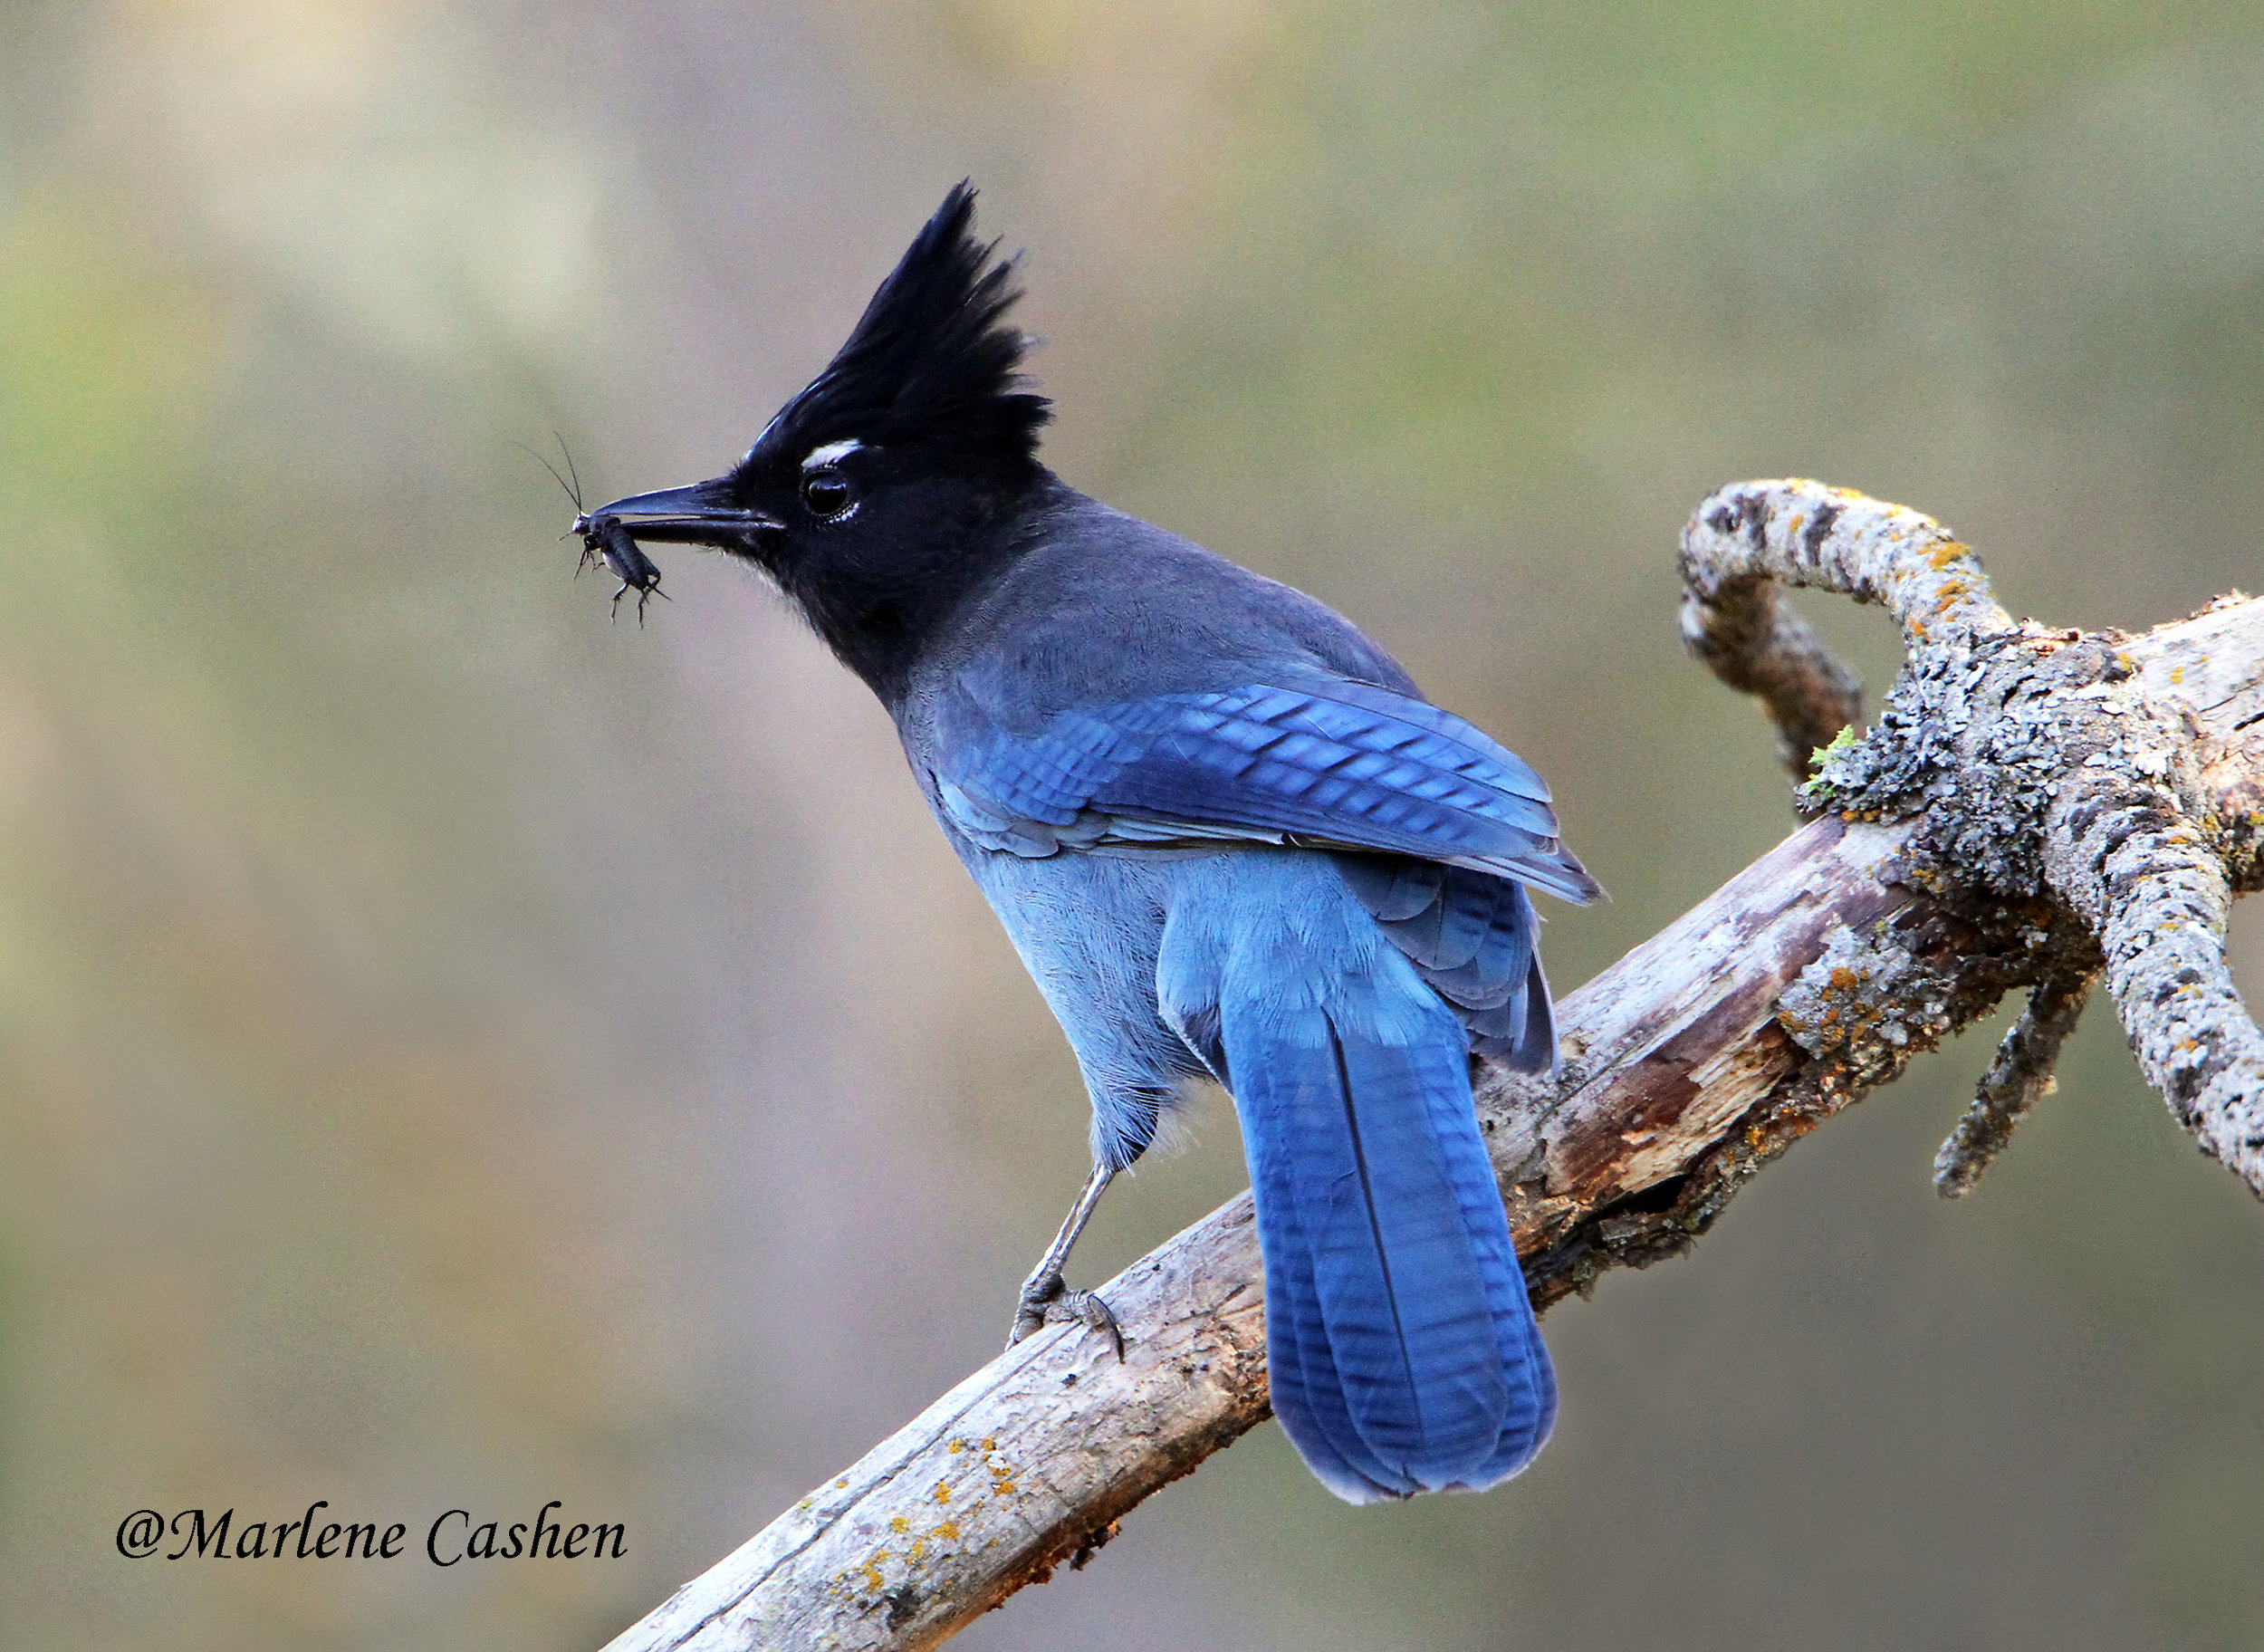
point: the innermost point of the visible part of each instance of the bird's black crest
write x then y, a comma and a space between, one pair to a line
933, 363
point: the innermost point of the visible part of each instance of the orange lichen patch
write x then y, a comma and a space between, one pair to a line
1949, 550
989, 1442
873, 1580
1002, 1478
1844, 978
948, 1532
957, 1446
841, 1482
1777, 1128
942, 1491
899, 1526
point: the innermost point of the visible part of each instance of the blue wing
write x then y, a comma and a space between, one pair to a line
1340, 764
1471, 937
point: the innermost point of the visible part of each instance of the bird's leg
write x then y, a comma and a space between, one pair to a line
1046, 1298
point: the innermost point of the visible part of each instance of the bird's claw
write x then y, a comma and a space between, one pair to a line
1047, 1299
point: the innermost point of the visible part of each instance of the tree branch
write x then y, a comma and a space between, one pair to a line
1811, 977
2021, 1077
2144, 874
2047, 764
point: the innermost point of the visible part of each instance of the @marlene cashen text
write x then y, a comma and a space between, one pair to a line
452, 1537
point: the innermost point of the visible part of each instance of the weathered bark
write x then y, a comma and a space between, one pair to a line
2114, 779
1899, 916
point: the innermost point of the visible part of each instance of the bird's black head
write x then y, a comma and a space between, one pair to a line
894, 483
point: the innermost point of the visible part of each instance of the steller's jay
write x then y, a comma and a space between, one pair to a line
1229, 838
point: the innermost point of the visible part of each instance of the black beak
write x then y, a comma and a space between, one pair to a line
701, 515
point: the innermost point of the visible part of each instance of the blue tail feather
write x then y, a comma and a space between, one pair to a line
1308, 1393
1404, 1352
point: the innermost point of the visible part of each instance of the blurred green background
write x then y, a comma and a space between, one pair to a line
458, 1052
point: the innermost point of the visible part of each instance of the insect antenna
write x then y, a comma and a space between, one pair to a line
572, 489
573, 492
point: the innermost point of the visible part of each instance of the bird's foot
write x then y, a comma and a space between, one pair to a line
1047, 1299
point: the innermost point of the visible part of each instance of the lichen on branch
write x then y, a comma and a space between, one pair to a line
2042, 765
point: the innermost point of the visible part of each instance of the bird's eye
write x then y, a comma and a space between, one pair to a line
826, 493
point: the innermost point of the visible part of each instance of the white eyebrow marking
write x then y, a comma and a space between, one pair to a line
832, 453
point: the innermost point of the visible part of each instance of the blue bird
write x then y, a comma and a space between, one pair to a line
1227, 834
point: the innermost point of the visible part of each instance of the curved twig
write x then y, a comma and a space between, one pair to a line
1810, 533
1748, 539
1759, 645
